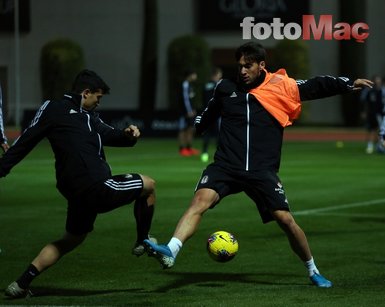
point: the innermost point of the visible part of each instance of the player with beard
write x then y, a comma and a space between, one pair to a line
254, 112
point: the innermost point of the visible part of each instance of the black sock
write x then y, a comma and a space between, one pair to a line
143, 216
26, 278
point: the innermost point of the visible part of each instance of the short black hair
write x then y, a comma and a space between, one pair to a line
88, 79
252, 51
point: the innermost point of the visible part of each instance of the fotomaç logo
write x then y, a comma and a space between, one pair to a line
309, 29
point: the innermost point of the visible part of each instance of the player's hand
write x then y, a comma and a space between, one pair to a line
359, 84
132, 131
4, 146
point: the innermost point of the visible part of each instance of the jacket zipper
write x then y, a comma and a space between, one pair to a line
99, 139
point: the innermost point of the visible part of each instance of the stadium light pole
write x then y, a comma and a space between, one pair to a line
17, 63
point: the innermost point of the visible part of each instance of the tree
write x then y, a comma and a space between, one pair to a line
60, 62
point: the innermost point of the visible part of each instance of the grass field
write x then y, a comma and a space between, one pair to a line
337, 195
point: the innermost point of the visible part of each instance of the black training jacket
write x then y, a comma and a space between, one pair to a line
250, 139
77, 138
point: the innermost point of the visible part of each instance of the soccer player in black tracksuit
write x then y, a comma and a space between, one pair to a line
248, 156
77, 136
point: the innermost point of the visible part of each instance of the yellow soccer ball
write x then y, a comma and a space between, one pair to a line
222, 246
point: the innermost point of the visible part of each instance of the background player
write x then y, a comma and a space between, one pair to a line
3, 138
212, 131
187, 115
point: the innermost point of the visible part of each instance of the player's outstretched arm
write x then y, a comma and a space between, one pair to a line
116, 137
326, 86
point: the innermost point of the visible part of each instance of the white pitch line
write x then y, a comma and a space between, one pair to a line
339, 207
369, 216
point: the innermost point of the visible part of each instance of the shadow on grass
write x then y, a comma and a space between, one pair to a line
52, 291
368, 220
180, 280
219, 280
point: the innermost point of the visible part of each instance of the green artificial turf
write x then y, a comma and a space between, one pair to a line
337, 196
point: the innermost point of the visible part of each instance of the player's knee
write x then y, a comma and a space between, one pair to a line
148, 185
148, 182
69, 242
207, 196
201, 203
152, 184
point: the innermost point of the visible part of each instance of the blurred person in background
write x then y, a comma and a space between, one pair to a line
187, 115
3, 139
212, 132
373, 100
382, 131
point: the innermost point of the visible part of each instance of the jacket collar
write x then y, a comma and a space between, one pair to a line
76, 99
73, 97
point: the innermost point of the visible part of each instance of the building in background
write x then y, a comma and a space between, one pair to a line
111, 35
